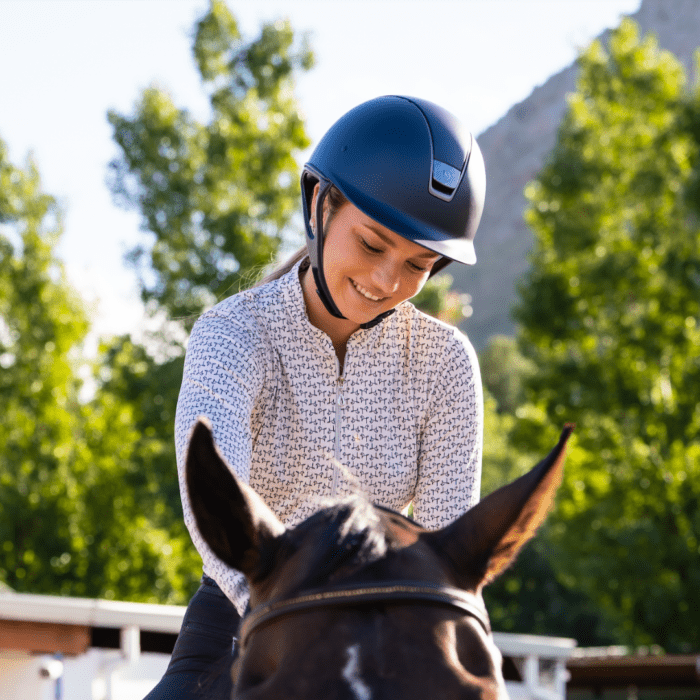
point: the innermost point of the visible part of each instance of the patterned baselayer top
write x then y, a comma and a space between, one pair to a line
405, 418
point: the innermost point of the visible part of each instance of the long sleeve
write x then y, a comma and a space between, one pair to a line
449, 461
223, 375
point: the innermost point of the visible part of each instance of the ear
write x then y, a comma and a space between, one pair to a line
487, 538
314, 200
233, 520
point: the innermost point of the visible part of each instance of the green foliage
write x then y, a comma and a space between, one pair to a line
78, 511
437, 300
215, 197
529, 597
130, 551
501, 462
128, 375
41, 322
144, 394
610, 314
504, 370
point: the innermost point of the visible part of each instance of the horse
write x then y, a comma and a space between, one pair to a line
359, 602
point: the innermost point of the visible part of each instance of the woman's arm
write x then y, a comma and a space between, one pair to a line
449, 462
223, 375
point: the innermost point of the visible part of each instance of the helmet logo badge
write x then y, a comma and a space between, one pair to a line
445, 180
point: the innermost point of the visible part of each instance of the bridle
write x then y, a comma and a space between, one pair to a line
388, 593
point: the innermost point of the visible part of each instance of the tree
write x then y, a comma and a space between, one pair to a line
41, 322
217, 197
71, 522
528, 597
130, 434
437, 300
610, 314
504, 371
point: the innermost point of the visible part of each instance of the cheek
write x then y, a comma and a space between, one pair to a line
333, 263
339, 260
414, 284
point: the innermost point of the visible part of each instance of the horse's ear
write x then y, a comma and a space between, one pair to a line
233, 520
487, 538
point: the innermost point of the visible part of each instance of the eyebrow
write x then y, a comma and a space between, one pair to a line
429, 254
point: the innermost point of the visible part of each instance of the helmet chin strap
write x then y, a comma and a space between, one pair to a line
314, 244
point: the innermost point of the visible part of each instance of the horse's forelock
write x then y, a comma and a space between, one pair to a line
352, 535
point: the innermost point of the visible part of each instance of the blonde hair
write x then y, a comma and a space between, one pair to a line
336, 199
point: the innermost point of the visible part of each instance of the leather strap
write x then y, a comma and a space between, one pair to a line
389, 593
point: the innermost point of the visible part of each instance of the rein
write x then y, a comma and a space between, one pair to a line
392, 592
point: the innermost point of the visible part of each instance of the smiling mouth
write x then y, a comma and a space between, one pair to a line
365, 293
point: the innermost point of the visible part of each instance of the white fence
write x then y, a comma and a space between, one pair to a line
45, 652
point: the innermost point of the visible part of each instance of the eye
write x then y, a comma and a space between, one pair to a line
376, 251
368, 247
417, 268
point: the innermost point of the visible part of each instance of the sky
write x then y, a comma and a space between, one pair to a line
65, 63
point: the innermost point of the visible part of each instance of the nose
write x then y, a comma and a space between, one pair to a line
385, 277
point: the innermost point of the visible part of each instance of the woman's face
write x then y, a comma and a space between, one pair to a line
368, 268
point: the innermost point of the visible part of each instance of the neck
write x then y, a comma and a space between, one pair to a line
338, 330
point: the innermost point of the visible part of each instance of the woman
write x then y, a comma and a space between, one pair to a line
325, 362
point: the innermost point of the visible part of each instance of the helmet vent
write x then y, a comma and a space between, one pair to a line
445, 180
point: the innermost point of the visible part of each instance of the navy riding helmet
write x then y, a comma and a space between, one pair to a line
409, 165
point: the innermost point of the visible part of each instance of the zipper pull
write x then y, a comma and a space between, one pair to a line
339, 397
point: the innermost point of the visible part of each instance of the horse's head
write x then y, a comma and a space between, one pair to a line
358, 602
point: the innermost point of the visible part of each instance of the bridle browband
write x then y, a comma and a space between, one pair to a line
389, 593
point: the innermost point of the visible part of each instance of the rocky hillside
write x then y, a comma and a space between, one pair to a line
514, 150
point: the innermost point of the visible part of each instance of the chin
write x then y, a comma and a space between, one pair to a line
359, 313
355, 309
360, 318
355, 318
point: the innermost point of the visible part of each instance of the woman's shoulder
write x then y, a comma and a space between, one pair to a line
440, 354
429, 330
236, 325
244, 309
